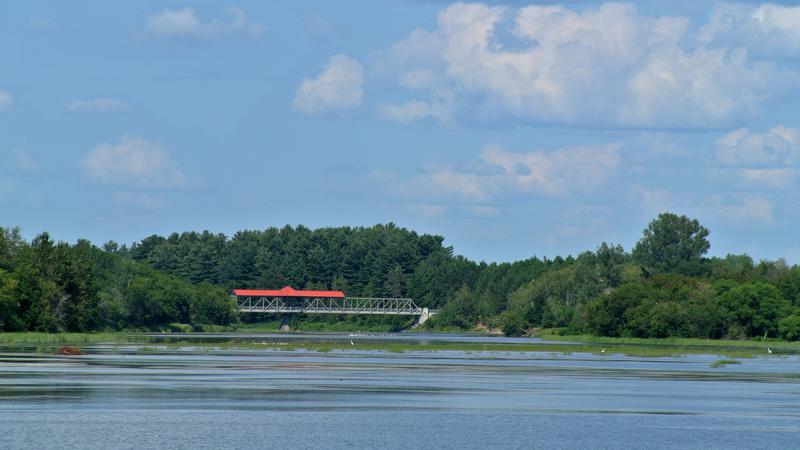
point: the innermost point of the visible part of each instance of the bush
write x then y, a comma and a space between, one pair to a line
789, 327
176, 327
512, 324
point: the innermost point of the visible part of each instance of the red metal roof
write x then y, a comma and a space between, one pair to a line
287, 291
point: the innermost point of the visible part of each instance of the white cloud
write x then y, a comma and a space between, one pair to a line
778, 146
608, 65
767, 30
653, 200
184, 25
99, 104
133, 161
580, 222
739, 207
483, 211
559, 172
428, 211
556, 173
414, 110
5, 100
339, 86
769, 178
25, 163
766, 159
19, 162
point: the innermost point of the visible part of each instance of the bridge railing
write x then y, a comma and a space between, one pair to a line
347, 305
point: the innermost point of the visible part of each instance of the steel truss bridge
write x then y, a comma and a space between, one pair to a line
347, 305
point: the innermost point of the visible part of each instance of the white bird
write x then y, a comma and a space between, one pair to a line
769, 350
603, 350
351, 342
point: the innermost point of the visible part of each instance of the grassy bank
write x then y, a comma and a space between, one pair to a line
606, 349
34, 338
602, 346
755, 344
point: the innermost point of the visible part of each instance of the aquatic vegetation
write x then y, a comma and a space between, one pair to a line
548, 343
723, 363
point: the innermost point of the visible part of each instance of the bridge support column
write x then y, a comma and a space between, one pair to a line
423, 317
286, 321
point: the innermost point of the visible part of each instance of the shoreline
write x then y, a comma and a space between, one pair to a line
402, 342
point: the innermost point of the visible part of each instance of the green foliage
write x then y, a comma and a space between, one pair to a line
672, 243
789, 327
461, 310
755, 308
610, 261
512, 323
49, 286
666, 288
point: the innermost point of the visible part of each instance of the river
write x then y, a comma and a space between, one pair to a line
132, 396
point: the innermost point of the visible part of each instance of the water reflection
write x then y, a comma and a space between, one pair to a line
120, 397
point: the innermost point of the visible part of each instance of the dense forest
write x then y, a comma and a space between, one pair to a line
665, 286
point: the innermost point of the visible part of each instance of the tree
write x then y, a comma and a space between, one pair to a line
8, 304
395, 285
460, 311
672, 243
789, 327
755, 308
610, 259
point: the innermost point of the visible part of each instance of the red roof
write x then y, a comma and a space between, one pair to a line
287, 291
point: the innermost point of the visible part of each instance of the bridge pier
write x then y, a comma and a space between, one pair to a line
424, 316
286, 321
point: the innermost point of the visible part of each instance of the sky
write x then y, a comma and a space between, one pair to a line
513, 129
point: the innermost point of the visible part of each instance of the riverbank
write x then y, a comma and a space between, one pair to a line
544, 341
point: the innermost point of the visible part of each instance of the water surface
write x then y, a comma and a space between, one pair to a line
134, 397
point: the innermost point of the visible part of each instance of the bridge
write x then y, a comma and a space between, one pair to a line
290, 301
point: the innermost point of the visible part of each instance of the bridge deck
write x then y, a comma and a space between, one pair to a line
348, 305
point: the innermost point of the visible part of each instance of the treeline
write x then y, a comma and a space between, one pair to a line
48, 286
665, 286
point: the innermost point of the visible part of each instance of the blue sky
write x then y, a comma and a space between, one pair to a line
513, 129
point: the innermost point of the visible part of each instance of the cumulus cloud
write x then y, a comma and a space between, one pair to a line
100, 104
557, 173
607, 65
5, 100
736, 207
653, 200
778, 146
133, 161
338, 87
768, 30
184, 25
766, 159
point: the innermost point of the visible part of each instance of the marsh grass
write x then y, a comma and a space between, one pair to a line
728, 350
723, 363
34, 338
754, 346
549, 348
